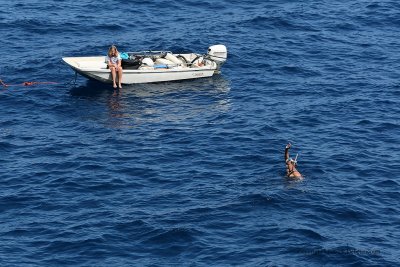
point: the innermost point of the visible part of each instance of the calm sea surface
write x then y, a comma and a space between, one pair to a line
191, 173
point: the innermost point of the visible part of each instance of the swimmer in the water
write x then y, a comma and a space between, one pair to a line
291, 164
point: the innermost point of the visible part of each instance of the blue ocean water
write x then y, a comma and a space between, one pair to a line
191, 173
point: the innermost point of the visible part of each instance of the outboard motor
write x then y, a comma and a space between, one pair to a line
218, 54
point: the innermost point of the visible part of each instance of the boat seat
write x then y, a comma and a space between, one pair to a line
92, 65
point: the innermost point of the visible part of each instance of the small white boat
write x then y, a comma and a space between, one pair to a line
153, 66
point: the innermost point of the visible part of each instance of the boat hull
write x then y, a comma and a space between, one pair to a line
132, 77
95, 68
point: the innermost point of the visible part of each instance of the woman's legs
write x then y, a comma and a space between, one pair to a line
119, 77
113, 76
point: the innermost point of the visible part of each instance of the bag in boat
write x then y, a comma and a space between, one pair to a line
124, 55
131, 64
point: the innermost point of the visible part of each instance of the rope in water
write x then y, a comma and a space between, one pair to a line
25, 83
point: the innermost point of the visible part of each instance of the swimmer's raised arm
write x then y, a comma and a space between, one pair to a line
287, 151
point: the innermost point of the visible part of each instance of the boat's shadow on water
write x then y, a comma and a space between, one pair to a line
156, 102
216, 84
90, 89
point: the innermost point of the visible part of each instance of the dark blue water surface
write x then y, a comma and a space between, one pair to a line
191, 173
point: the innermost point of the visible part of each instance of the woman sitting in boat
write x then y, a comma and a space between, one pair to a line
114, 64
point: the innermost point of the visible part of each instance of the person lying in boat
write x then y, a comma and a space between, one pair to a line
291, 164
114, 64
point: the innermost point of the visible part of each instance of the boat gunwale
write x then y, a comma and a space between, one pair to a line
131, 71
146, 71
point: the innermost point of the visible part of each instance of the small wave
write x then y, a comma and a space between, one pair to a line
304, 233
345, 26
61, 246
365, 122
390, 184
292, 69
268, 129
261, 200
340, 255
261, 22
109, 27
42, 26
131, 226
12, 202
386, 126
16, 233
346, 213
171, 236
90, 167
7, 146
373, 6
